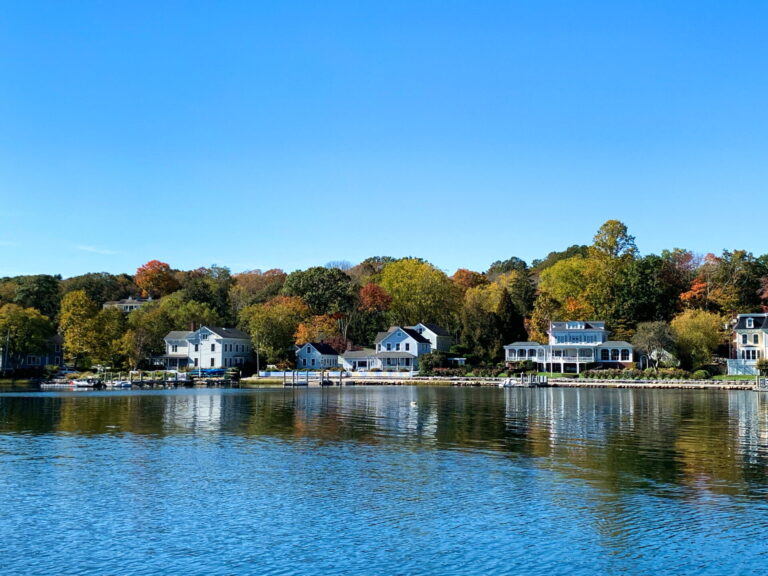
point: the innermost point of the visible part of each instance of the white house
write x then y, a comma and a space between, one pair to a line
398, 348
439, 338
572, 345
316, 355
750, 343
207, 347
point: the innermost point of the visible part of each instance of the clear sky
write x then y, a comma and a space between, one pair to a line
261, 134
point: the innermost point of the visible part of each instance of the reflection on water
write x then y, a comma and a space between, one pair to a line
385, 480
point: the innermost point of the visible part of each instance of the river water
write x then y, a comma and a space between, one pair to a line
379, 480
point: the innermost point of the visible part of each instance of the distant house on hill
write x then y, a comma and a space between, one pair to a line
316, 355
572, 346
207, 347
127, 304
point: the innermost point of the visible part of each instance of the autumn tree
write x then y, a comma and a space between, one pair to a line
22, 331
156, 279
466, 279
698, 334
420, 293
255, 287
272, 325
322, 328
371, 316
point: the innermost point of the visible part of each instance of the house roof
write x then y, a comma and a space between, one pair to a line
759, 321
439, 330
519, 344
228, 332
178, 335
408, 331
323, 348
351, 354
616, 343
394, 355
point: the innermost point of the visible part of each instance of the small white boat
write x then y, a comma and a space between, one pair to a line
83, 383
508, 383
119, 384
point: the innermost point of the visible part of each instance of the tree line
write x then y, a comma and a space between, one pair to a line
676, 300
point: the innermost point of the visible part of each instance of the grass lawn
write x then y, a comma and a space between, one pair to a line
735, 377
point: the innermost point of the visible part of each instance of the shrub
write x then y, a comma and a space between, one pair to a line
701, 375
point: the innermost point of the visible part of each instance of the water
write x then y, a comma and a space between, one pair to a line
364, 481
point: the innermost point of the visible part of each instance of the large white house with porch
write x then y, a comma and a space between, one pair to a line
750, 343
572, 346
206, 347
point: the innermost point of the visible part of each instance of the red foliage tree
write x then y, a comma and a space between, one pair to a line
156, 279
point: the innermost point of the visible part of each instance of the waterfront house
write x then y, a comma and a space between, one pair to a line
51, 353
316, 355
750, 343
572, 346
207, 347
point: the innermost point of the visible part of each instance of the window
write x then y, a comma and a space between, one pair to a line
522, 353
197, 347
407, 361
750, 322
604, 355
175, 348
624, 355
397, 346
195, 362
407, 346
531, 353
389, 347
755, 338
303, 361
743, 338
211, 362
313, 361
203, 336
614, 355
213, 347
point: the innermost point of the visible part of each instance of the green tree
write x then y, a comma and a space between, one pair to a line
22, 331
272, 326
698, 334
324, 290
41, 292
101, 286
109, 328
77, 328
655, 339
147, 327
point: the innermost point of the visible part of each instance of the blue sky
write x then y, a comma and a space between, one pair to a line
289, 134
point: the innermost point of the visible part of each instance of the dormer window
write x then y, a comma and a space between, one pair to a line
750, 322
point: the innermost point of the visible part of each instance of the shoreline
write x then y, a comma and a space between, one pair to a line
494, 383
